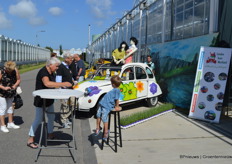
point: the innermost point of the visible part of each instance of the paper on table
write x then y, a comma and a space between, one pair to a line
58, 79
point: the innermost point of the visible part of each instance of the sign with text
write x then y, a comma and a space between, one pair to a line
210, 83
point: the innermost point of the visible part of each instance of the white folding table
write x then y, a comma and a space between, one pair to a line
57, 94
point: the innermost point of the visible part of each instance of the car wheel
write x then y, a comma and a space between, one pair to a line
152, 101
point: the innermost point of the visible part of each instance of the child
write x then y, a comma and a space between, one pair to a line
108, 103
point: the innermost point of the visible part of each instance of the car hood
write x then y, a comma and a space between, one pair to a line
91, 83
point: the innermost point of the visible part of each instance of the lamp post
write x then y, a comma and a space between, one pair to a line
37, 55
89, 36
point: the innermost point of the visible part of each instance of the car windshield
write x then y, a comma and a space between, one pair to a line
95, 62
105, 71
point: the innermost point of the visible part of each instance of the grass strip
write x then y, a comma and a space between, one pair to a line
126, 120
29, 67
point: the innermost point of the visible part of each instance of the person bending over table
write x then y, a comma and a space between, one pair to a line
9, 81
45, 79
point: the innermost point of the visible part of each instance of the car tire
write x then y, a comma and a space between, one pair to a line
151, 102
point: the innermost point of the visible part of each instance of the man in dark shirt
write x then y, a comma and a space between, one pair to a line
79, 68
64, 74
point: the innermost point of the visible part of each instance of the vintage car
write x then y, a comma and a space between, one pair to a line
93, 67
138, 83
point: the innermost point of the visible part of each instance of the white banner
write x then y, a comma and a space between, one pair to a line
210, 83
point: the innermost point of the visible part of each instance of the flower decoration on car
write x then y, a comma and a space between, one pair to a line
93, 90
99, 78
76, 86
129, 91
153, 88
140, 85
121, 97
122, 89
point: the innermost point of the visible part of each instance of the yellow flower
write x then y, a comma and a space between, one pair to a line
139, 85
76, 86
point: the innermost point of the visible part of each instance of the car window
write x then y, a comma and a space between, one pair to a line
128, 74
140, 73
149, 73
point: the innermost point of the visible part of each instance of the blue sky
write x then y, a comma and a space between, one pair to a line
65, 22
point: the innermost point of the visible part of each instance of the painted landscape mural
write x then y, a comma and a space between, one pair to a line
176, 64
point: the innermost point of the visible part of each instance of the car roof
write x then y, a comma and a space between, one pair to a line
134, 64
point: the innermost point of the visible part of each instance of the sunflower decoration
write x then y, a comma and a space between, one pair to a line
140, 85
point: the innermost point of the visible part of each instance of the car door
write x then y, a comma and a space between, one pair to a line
127, 88
141, 82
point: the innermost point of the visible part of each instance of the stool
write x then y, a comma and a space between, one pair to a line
116, 127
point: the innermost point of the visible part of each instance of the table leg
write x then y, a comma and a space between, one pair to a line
44, 132
41, 132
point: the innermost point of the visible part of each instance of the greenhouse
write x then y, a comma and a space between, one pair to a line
172, 32
21, 52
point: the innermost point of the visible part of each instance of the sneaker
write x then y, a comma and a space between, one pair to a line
66, 126
68, 122
97, 131
4, 129
12, 125
106, 136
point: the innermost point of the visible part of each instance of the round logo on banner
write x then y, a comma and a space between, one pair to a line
210, 115
201, 105
222, 76
210, 97
204, 89
220, 96
218, 106
209, 76
217, 86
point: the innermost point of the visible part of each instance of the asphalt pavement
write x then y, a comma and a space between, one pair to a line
171, 138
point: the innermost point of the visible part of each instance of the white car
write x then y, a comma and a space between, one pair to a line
138, 83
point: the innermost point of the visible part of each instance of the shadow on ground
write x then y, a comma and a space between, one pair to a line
224, 127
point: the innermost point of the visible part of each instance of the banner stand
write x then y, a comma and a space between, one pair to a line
210, 83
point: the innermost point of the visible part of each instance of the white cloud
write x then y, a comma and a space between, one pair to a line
23, 9
104, 4
4, 22
99, 23
100, 8
37, 21
56, 11
98, 12
26, 9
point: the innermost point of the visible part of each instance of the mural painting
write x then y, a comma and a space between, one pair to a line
176, 64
